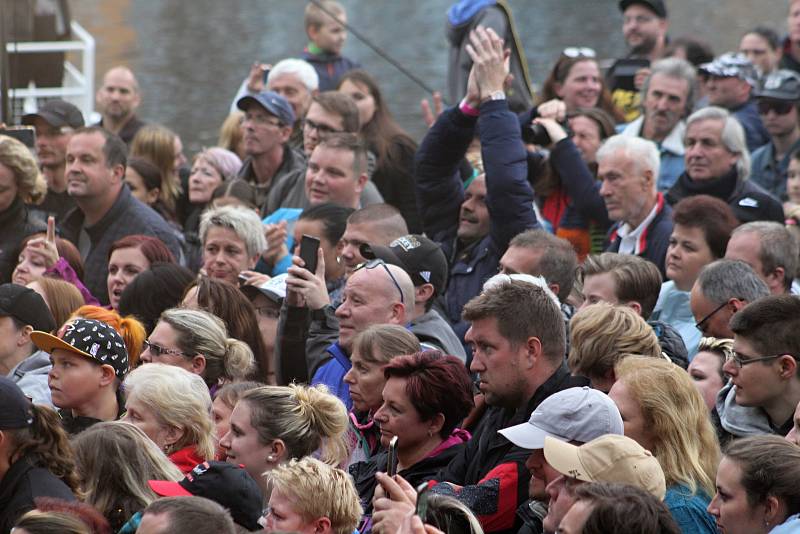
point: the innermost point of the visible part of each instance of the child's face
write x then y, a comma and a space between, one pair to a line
74, 380
330, 36
793, 181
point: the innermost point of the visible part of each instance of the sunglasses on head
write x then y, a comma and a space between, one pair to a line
579, 51
372, 264
780, 107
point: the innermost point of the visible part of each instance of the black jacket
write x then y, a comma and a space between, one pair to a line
490, 469
22, 483
16, 223
747, 199
654, 241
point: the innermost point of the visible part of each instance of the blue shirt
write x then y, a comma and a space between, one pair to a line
768, 173
689, 510
673, 308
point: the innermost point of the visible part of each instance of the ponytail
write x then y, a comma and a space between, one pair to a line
49, 442
238, 360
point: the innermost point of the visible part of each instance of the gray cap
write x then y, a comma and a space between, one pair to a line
731, 65
780, 85
574, 414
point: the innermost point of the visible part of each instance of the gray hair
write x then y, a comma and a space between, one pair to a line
779, 248
243, 221
642, 152
723, 280
732, 135
673, 67
300, 68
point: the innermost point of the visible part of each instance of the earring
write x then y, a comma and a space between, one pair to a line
339, 260
430, 433
270, 458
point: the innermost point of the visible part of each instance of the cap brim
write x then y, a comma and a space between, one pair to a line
49, 342
167, 488
774, 96
251, 291
386, 254
527, 436
563, 457
247, 101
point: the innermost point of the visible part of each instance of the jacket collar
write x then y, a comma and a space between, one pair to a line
673, 143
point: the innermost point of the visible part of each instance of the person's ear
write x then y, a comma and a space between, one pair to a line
772, 510
533, 351
557, 89
322, 525
277, 451
253, 261
24, 335
436, 423
734, 305
635, 306
423, 293
788, 366
107, 375
152, 195
361, 182
118, 173
401, 312
199, 364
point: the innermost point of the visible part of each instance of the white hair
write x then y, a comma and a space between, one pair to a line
300, 68
539, 281
642, 152
243, 221
732, 137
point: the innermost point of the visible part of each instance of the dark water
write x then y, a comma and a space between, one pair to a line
191, 55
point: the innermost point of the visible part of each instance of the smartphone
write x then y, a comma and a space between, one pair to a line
24, 134
308, 252
266, 75
422, 501
391, 463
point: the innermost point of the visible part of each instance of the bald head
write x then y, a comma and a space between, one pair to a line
118, 97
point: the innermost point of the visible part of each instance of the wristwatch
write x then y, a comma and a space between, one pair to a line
498, 95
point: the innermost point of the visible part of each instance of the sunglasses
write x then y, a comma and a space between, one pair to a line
780, 107
372, 264
579, 51
158, 350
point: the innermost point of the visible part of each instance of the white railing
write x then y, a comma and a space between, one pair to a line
78, 84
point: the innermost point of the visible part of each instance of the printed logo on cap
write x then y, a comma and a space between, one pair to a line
407, 242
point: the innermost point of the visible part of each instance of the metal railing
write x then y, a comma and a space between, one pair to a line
78, 84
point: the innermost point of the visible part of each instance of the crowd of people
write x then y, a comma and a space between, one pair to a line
571, 311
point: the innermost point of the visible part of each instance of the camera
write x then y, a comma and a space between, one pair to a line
536, 134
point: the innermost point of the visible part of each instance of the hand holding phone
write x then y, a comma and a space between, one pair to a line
308, 252
391, 464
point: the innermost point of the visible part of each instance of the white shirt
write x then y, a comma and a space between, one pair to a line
629, 239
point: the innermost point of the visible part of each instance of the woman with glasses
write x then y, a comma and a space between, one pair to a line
706, 368
663, 411
198, 342
702, 228
576, 81
425, 398
757, 489
173, 407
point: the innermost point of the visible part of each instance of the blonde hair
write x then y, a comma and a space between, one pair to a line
319, 490
602, 334
684, 441
62, 297
31, 185
156, 144
199, 332
115, 460
230, 133
36, 522
314, 16
305, 418
178, 399
380, 343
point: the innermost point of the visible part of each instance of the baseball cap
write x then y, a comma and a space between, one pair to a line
656, 6
15, 408
731, 65
274, 288
56, 113
88, 337
272, 102
27, 306
420, 257
574, 414
609, 458
224, 483
780, 85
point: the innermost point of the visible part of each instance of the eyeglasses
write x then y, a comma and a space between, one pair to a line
322, 129
699, 324
780, 107
579, 51
740, 362
638, 19
268, 312
262, 120
158, 350
375, 263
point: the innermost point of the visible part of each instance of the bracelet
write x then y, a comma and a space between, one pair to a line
468, 110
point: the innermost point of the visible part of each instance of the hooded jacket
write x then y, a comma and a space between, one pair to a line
431, 329
31, 376
733, 421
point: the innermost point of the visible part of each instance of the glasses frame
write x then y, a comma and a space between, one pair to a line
160, 351
737, 360
372, 264
699, 324
322, 129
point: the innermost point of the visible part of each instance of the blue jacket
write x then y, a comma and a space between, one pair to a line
655, 238
440, 192
754, 131
768, 173
329, 68
331, 373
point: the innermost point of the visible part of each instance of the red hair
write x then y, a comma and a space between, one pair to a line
435, 384
153, 249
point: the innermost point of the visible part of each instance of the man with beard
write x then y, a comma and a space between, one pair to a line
118, 99
667, 95
644, 25
777, 104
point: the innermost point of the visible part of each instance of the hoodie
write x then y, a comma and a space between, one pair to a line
431, 329
31, 376
738, 421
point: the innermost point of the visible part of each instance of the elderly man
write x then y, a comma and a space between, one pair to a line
770, 249
117, 100
667, 97
54, 123
777, 102
718, 164
723, 288
628, 168
106, 211
644, 26
376, 293
730, 81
